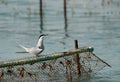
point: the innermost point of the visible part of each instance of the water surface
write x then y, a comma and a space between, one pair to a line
92, 23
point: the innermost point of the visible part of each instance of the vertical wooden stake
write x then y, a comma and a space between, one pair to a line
41, 8
65, 13
77, 59
41, 16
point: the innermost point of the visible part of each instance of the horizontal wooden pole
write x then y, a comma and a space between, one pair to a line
52, 56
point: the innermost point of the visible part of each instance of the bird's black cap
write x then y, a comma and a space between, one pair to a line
43, 35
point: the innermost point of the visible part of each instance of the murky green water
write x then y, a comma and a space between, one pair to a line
91, 22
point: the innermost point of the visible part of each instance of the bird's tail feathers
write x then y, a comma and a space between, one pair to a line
22, 52
26, 49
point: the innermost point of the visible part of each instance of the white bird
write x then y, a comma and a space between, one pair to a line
35, 50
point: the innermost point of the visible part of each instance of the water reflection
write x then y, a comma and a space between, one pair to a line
3, 2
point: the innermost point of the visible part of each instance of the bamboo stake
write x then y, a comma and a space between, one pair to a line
77, 58
101, 60
65, 14
41, 15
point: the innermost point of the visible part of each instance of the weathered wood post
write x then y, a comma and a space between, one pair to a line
41, 15
77, 60
65, 13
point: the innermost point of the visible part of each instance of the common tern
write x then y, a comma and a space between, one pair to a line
35, 50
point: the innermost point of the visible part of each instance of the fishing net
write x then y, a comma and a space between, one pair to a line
66, 65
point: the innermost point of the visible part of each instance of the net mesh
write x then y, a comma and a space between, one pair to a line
65, 67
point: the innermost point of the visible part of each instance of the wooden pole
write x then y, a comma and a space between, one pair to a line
41, 13
65, 13
77, 59
51, 56
41, 16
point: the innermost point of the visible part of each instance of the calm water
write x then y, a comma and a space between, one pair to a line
91, 22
